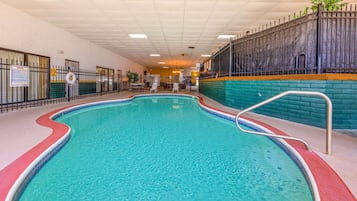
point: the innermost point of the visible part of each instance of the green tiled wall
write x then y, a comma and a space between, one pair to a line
343, 95
303, 109
214, 90
58, 89
87, 88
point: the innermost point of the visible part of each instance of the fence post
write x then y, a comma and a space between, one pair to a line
26, 89
68, 88
230, 57
219, 65
48, 90
318, 38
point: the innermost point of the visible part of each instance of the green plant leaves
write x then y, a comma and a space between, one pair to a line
133, 77
330, 5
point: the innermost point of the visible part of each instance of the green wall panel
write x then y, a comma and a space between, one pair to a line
309, 110
58, 90
214, 90
87, 88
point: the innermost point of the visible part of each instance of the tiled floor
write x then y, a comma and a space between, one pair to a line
19, 132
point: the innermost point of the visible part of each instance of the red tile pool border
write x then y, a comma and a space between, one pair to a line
330, 185
12, 172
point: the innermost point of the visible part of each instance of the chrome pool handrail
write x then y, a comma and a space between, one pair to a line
309, 93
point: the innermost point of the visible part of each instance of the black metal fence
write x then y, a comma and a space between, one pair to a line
320, 42
47, 86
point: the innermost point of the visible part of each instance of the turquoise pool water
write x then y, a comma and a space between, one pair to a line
164, 148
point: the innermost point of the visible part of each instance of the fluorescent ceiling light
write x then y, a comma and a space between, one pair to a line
226, 36
165, 67
137, 36
154, 55
162, 62
206, 55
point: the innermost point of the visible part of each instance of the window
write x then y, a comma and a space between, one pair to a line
38, 77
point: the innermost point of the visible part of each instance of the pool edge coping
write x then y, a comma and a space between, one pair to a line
20, 168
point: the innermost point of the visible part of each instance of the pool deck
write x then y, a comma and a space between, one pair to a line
19, 133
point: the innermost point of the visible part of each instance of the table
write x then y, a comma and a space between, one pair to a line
137, 86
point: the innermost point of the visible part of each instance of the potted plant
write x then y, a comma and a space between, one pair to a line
133, 77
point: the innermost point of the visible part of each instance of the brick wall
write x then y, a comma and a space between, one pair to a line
215, 90
309, 110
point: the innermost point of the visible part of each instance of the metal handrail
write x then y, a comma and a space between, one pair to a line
310, 93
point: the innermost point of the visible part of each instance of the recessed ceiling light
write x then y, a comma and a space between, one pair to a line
137, 36
226, 36
162, 62
165, 67
206, 55
154, 55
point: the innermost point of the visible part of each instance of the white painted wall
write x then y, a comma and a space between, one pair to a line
22, 32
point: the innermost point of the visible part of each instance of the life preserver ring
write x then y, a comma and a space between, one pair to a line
70, 78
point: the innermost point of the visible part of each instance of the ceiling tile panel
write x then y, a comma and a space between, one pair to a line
169, 6
199, 5
230, 6
117, 14
29, 4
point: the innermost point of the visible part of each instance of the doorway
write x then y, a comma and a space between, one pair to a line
105, 79
72, 66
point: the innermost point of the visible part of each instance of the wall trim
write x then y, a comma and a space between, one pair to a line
289, 77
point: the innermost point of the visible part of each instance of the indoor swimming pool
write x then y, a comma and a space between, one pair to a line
163, 148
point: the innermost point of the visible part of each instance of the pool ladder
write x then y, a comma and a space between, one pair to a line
309, 93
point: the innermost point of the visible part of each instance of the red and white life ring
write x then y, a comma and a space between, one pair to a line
70, 78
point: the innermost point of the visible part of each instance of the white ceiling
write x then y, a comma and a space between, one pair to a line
170, 25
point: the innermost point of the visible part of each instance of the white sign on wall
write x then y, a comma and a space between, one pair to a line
19, 76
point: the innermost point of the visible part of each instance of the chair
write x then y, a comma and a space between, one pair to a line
154, 87
193, 88
175, 87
